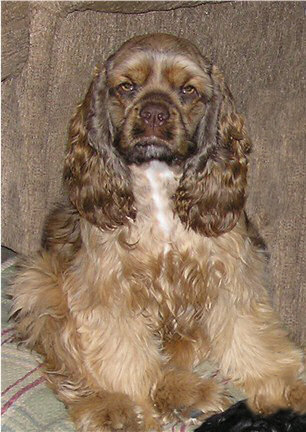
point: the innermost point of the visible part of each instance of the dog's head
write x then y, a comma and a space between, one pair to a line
158, 98
158, 92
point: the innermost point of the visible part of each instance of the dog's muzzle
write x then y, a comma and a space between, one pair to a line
152, 132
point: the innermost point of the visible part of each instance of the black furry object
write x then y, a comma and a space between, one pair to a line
239, 418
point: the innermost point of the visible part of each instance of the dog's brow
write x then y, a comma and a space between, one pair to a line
184, 63
146, 63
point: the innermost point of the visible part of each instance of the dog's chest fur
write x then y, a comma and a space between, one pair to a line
174, 273
160, 266
153, 186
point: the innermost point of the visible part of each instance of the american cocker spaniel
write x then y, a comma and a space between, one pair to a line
150, 267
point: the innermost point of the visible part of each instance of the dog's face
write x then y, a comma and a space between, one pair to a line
158, 92
158, 98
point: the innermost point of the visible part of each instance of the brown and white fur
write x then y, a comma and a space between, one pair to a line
150, 268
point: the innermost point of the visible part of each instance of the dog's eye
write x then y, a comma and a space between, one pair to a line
127, 86
188, 90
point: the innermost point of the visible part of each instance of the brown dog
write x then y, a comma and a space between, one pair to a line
150, 268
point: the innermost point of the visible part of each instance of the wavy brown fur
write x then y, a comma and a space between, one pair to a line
211, 194
98, 181
151, 268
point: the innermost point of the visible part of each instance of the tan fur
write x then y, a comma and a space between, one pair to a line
152, 270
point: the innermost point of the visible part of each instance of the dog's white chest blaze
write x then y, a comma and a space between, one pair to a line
157, 178
153, 186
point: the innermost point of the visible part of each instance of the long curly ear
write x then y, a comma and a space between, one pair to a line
97, 178
211, 193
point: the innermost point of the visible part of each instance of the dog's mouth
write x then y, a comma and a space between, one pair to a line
148, 149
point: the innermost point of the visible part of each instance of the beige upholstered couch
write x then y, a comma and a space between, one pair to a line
49, 51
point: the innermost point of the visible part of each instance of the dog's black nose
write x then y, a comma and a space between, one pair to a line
154, 114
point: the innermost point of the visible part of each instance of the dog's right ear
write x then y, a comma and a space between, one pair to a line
98, 180
212, 191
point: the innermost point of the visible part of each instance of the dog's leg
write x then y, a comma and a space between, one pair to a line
82, 358
248, 342
256, 354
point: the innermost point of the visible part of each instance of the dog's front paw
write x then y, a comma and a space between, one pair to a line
274, 394
115, 412
181, 393
296, 396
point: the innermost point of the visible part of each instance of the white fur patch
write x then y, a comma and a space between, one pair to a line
156, 176
159, 175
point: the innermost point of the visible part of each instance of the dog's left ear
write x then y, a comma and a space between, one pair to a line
98, 180
211, 194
